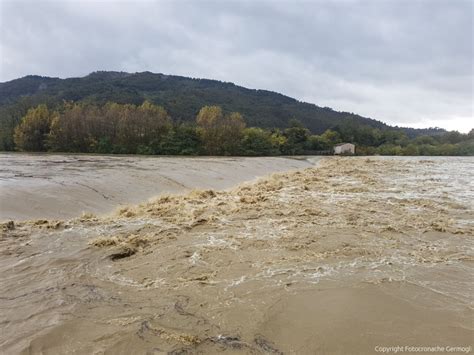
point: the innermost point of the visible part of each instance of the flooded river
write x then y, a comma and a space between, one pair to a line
351, 255
64, 186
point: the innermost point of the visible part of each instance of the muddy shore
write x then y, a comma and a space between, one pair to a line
344, 257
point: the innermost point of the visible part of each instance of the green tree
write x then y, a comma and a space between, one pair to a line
257, 141
470, 135
424, 140
318, 143
390, 149
332, 137
452, 137
392, 136
410, 149
296, 137
464, 148
183, 139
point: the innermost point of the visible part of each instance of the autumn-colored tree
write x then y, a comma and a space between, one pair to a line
231, 133
220, 134
112, 128
32, 132
154, 123
75, 129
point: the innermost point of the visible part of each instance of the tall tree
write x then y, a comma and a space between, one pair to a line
32, 132
220, 134
297, 136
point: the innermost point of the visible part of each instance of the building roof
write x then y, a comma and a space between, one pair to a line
338, 145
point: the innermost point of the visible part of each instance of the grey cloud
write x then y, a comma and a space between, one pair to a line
403, 62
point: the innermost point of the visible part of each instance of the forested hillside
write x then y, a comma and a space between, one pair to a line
181, 97
146, 113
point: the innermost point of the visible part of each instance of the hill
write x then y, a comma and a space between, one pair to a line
182, 97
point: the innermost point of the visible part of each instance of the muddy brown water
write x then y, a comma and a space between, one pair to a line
349, 256
66, 185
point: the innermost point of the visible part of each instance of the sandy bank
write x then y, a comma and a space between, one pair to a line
64, 186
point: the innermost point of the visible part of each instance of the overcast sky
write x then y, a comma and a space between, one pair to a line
404, 62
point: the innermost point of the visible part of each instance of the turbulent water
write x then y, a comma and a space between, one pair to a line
343, 257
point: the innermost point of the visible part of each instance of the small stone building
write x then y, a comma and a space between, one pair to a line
344, 149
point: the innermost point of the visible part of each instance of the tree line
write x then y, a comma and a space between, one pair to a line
148, 129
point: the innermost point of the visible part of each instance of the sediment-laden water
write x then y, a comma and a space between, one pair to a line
65, 185
343, 257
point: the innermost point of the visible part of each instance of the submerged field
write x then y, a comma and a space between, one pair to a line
341, 257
